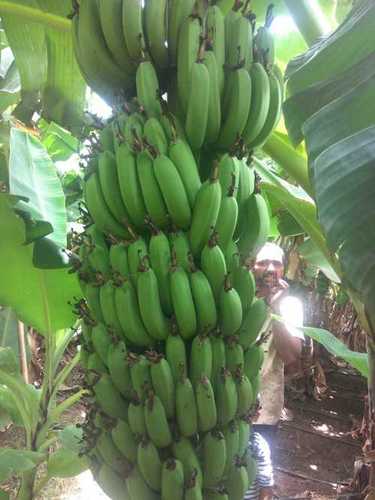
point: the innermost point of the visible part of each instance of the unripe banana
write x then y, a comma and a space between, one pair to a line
101, 341
173, 191
149, 464
95, 366
119, 369
163, 384
136, 418
244, 283
109, 398
160, 259
218, 359
229, 174
254, 235
186, 408
246, 184
152, 195
140, 375
240, 46
245, 396
118, 258
230, 25
129, 315
172, 480
244, 435
93, 301
110, 453
260, 103
193, 490
184, 452
200, 359
148, 91
175, 352
132, 26
179, 10
183, 302
156, 422
252, 468
98, 259
237, 482
108, 306
216, 37
226, 398
216, 494
214, 102
255, 383
138, 488
129, 186
124, 440
264, 41
204, 301
111, 483
253, 324
213, 265
214, 458
132, 131
234, 355
156, 12
254, 357
206, 406
230, 309
205, 213
181, 247
155, 135
232, 436
183, 158
198, 105
232, 257
227, 219
137, 251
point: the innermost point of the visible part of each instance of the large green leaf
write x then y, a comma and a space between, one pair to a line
40, 298
344, 178
10, 85
311, 253
17, 461
32, 174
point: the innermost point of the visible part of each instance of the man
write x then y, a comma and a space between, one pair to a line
283, 349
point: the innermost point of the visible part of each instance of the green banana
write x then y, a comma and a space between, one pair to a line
119, 369
173, 191
172, 480
237, 483
136, 418
152, 195
184, 451
129, 186
193, 490
198, 105
149, 464
234, 355
183, 302
214, 102
108, 306
109, 398
96, 237
175, 352
230, 309
186, 408
156, 422
244, 283
229, 173
132, 27
163, 384
140, 375
274, 113
231, 435
239, 100
155, 136
98, 259
240, 44
187, 54
95, 365
129, 315
160, 259
245, 396
254, 357
106, 138
232, 257
255, 383
137, 251
214, 458
251, 469
246, 184
206, 406
181, 247
110, 454
111, 22
155, 14
226, 398
215, 30
200, 359
230, 25
213, 265
264, 41
227, 219
138, 488
183, 158
118, 258
101, 340
217, 493
254, 235
148, 91
99, 210
179, 11
260, 103
218, 358
93, 301
124, 440
111, 483
150, 305
253, 323
204, 301
205, 213
132, 131
243, 437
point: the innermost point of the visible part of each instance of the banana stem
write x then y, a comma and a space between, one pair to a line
309, 17
35, 15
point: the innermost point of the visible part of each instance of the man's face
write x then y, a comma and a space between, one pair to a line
268, 273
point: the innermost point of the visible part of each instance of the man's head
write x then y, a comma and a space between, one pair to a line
269, 265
